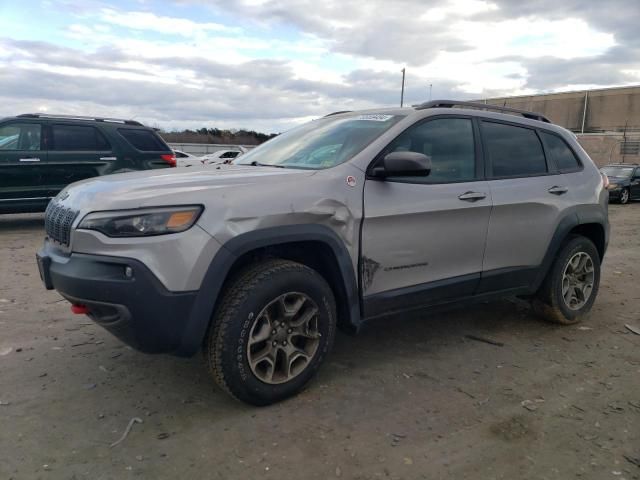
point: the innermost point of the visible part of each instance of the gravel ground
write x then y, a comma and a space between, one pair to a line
410, 397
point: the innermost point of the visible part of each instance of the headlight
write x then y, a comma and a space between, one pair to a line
142, 223
613, 186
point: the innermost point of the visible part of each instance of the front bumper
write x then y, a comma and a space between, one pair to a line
136, 308
614, 193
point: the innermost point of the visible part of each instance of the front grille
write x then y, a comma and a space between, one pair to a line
57, 222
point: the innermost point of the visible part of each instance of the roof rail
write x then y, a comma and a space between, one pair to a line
481, 106
80, 117
338, 113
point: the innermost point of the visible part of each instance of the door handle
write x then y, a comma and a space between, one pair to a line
556, 190
30, 159
109, 158
472, 196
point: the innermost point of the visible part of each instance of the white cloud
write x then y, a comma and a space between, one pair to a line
465, 8
309, 71
532, 37
160, 24
276, 62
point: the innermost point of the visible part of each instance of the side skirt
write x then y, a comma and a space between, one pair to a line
419, 296
467, 289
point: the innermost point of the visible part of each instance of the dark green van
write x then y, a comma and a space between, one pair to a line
41, 154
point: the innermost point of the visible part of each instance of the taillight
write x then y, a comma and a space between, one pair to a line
79, 309
169, 158
605, 179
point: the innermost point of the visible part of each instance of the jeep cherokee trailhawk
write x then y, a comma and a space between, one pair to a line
346, 218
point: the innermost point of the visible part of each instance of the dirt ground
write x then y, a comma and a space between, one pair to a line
410, 397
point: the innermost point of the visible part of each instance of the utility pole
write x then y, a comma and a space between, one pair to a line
430, 89
402, 92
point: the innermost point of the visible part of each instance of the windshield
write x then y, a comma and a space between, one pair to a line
322, 143
617, 171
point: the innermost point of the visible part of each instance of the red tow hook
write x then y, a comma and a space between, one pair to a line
79, 309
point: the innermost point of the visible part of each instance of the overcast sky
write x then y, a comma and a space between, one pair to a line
268, 65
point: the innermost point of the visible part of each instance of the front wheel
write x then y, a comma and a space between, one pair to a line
570, 288
624, 196
274, 326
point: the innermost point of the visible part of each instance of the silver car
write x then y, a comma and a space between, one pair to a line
349, 217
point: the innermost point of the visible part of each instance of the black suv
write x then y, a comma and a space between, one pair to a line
41, 154
624, 181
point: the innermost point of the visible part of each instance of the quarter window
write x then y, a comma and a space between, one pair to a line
448, 142
20, 136
78, 138
560, 152
513, 151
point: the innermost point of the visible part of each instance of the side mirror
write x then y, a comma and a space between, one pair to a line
403, 164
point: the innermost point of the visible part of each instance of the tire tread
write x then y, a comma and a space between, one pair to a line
546, 303
237, 292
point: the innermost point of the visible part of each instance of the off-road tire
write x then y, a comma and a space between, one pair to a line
549, 302
244, 297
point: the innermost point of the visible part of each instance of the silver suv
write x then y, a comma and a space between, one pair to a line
346, 218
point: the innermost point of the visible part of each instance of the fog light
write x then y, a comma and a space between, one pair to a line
128, 272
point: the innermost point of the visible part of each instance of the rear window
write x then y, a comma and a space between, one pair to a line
143, 140
78, 138
560, 152
513, 151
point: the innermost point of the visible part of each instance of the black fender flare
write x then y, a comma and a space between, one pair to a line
574, 217
206, 299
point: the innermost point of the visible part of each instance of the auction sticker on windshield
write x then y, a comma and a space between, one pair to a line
374, 117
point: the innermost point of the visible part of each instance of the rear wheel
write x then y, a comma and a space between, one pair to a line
273, 329
570, 288
624, 196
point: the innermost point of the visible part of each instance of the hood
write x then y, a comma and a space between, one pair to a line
169, 186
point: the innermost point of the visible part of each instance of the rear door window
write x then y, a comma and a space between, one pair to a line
143, 140
513, 151
78, 138
560, 152
20, 136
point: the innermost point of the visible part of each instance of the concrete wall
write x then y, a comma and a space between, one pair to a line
606, 148
608, 110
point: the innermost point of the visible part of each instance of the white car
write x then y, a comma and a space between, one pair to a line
184, 159
222, 156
